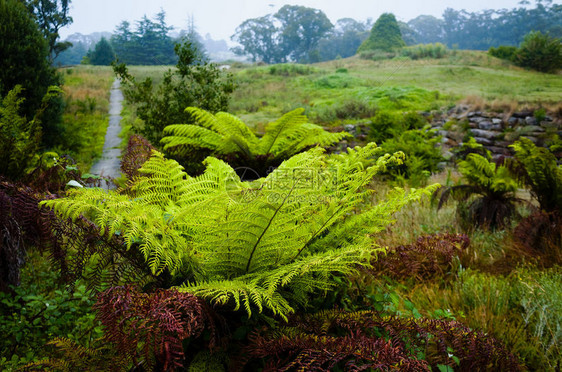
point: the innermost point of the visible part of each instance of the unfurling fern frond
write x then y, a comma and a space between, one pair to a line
264, 245
225, 135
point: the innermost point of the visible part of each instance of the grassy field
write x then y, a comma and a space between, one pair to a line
330, 89
86, 93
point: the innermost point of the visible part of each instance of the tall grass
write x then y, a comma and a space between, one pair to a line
86, 92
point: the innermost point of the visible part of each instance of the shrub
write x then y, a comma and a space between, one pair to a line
540, 233
335, 340
423, 155
495, 202
504, 52
431, 256
286, 70
192, 83
436, 50
25, 62
540, 52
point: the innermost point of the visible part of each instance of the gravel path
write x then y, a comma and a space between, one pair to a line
109, 164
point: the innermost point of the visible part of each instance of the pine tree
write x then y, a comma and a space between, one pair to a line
385, 35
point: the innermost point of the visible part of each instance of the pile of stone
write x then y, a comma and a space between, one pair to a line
495, 131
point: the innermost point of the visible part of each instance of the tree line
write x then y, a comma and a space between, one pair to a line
300, 34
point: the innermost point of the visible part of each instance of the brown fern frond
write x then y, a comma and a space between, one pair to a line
366, 340
138, 152
430, 256
150, 327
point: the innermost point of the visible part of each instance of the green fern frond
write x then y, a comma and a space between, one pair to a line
226, 134
301, 225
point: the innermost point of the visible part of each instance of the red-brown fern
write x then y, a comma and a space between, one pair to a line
430, 256
138, 152
363, 340
151, 327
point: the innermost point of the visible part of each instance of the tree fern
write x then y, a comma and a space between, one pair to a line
494, 204
226, 135
271, 251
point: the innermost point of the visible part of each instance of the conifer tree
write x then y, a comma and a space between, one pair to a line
385, 35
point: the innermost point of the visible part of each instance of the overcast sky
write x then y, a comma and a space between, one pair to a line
220, 18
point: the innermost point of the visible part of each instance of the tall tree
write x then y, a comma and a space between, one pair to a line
102, 54
295, 39
385, 35
51, 16
258, 37
427, 29
25, 62
149, 44
344, 40
301, 30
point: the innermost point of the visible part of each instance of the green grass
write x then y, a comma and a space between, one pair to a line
86, 93
428, 84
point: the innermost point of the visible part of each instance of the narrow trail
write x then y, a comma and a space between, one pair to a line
109, 164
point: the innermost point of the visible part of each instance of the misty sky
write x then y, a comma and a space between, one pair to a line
220, 18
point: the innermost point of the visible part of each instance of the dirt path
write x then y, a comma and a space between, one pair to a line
109, 163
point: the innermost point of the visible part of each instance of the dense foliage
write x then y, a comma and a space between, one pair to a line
194, 82
385, 35
148, 44
296, 38
540, 52
23, 45
226, 136
51, 16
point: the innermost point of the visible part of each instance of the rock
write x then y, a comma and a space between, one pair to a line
534, 128
448, 155
512, 121
478, 119
497, 121
529, 120
485, 133
522, 114
548, 118
503, 143
350, 128
499, 150
535, 140
486, 125
443, 133
484, 141
521, 121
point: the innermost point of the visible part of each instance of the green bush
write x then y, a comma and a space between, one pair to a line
540, 52
504, 52
436, 50
192, 83
423, 155
39, 310
287, 69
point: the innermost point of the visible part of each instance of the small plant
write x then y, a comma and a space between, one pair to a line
495, 202
430, 256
